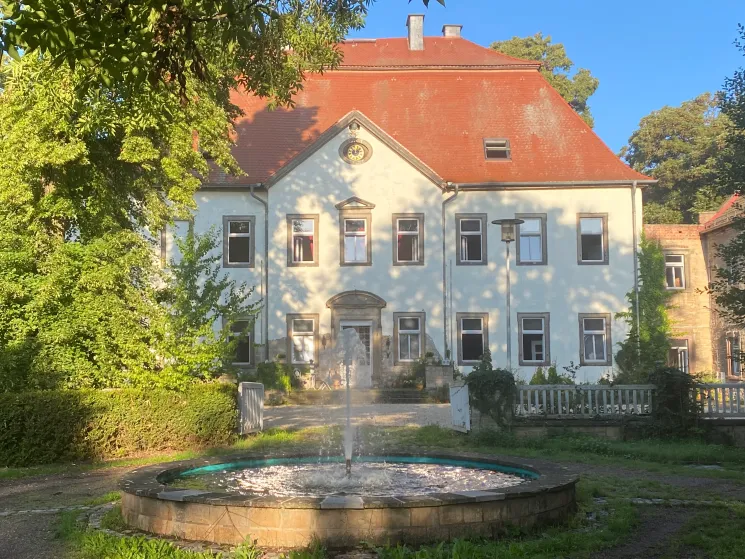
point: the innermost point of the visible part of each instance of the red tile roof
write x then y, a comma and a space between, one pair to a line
440, 115
724, 214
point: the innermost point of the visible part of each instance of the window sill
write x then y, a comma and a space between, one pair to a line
470, 263
352, 264
302, 264
592, 262
238, 265
408, 263
533, 263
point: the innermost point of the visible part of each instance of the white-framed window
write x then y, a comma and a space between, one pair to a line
473, 336
678, 355
471, 240
533, 332
734, 354
408, 235
595, 339
409, 338
530, 249
592, 239
355, 240
238, 237
303, 233
675, 271
240, 332
303, 340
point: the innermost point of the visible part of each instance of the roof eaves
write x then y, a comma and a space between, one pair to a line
622, 183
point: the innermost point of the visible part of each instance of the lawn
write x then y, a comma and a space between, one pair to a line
606, 518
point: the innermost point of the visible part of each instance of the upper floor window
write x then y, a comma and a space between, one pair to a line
238, 241
473, 336
678, 355
531, 243
595, 344
409, 336
302, 240
471, 238
408, 239
675, 271
497, 149
302, 330
592, 238
355, 241
534, 338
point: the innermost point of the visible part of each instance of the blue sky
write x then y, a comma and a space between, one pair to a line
646, 54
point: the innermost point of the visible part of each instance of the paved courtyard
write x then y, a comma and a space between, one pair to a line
387, 415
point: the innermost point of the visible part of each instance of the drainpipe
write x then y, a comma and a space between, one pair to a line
444, 270
265, 279
636, 266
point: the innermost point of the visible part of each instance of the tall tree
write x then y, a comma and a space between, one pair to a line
576, 88
682, 148
727, 288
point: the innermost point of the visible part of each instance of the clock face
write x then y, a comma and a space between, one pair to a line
355, 152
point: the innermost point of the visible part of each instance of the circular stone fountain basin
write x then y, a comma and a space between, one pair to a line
289, 501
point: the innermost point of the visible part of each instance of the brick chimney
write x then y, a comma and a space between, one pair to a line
452, 31
415, 23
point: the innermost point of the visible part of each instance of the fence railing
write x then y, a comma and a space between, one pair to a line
561, 400
722, 400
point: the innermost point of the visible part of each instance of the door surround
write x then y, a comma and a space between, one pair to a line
360, 306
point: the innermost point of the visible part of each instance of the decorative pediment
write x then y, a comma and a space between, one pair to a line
356, 299
355, 203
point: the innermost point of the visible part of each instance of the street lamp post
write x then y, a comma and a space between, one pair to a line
508, 236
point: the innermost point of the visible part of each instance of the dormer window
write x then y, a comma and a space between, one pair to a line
497, 149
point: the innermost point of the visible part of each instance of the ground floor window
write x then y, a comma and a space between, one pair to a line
302, 336
533, 336
240, 331
678, 355
409, 336
734, 355
595, 339
473, 336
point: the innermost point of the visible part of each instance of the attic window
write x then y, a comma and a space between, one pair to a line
497, 149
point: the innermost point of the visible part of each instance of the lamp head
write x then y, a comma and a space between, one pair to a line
508, 228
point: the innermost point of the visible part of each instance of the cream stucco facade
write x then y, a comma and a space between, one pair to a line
439, 287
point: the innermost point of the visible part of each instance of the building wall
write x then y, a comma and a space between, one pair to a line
689, 308
562, 287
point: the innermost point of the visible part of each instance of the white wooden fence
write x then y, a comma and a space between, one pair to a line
722, 400
560, 400
251, 407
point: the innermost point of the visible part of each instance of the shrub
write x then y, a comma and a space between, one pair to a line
275, 375
492, 391
676, 411
56, 426
553, 377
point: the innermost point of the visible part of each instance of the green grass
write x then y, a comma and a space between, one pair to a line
110, 497
718, 533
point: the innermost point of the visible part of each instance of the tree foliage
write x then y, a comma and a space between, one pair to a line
682, 147
575, 87
203, 305
85, 176
265, 44
492, 391
727, 288
640, 354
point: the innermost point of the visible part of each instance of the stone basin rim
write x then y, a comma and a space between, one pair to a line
148, 481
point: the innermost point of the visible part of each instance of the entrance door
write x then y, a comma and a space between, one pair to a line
364, 365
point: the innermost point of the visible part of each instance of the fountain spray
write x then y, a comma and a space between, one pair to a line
348, 434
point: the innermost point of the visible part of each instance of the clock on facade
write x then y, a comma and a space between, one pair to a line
355, 151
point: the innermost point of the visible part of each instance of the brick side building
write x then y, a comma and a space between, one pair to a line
702, 340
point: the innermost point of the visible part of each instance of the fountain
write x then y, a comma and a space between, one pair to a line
288, 501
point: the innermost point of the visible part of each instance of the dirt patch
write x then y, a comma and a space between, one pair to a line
658, 526
30, 537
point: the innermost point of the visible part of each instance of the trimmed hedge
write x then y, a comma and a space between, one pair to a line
57, 426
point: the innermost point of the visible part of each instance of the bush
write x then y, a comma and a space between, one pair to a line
275, 375
57, 426
553, 377
492, 391
676, 411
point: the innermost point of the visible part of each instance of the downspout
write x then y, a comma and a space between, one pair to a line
444, 271
636, 268
265, 279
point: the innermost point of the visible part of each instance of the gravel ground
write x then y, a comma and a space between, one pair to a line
382, 415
